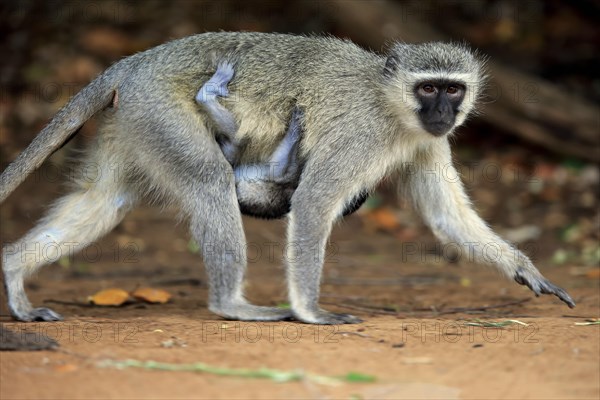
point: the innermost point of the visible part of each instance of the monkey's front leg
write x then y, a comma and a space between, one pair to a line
324, 191
442, 202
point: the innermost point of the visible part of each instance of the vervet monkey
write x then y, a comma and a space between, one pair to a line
365, 116
263, 190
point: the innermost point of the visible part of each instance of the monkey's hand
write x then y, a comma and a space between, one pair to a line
540, 285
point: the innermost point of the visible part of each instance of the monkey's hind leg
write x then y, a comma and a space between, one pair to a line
72, 223
216, 85
200, 180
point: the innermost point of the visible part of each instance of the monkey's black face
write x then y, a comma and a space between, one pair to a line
439, 104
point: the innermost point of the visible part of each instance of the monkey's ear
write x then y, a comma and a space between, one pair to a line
391, 66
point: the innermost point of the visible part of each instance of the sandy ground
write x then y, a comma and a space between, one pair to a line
414, 342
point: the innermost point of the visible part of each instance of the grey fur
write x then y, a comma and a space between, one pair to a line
263, 190
359, 125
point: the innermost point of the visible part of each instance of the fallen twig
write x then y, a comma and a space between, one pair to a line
482, 308
353, 333
68, 303
367, 309
403, 281
494, 324
261, 373
589, 322
180, 282
387, 311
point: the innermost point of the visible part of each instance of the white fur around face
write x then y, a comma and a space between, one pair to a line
408, 65
401, 98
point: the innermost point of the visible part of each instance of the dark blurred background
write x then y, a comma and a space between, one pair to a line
530, 160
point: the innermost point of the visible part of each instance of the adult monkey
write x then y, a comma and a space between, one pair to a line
365, 117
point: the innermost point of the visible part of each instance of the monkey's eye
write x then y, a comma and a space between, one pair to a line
454, 90
428, 89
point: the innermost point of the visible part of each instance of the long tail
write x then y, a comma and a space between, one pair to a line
91, 99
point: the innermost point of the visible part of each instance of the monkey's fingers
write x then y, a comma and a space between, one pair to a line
540, 285
225, 71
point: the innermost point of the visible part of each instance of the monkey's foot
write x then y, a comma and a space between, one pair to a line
250, 312
37, 314
217, 84
322, 317
540, 285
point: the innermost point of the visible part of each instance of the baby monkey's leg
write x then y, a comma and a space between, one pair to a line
284, 170
215, 87
282, 166
284, 162
265, 190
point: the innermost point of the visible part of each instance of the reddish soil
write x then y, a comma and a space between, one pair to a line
417, 351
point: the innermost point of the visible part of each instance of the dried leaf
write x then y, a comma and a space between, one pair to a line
151, 295
465, 282
593, 273
382, 219
109, 297
66, 368
407, 234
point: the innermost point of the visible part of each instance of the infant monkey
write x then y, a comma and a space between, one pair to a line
263, 190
